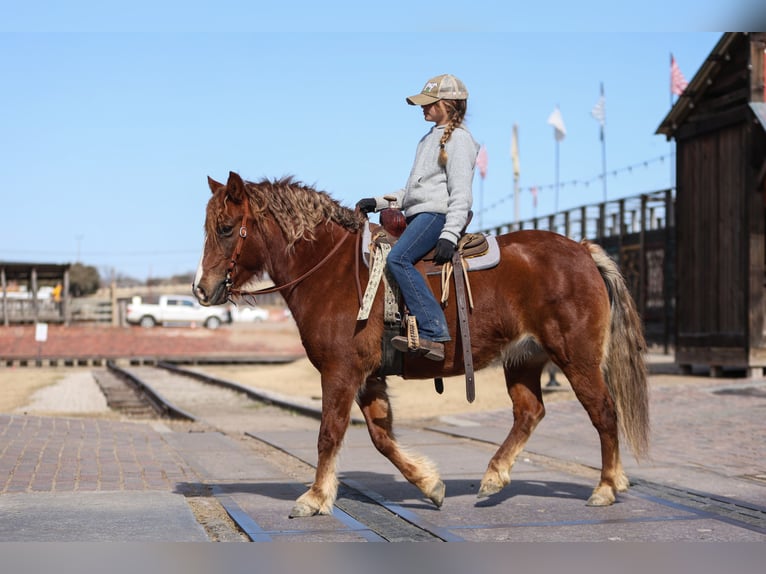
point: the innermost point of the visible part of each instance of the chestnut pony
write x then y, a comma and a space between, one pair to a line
549, 298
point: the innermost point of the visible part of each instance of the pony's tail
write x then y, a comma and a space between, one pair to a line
624, 366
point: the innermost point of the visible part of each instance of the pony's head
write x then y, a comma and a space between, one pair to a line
227, 224
250, 227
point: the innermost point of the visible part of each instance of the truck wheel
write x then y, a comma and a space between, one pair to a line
213, 323
147, 321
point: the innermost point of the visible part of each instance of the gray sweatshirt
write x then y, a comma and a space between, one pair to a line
432, 188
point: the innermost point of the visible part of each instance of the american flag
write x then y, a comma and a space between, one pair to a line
677, 81
481, 161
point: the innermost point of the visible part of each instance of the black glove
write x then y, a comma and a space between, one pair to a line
445, 249
367, 205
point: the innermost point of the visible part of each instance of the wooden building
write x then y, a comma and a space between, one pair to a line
719, 126
20, 297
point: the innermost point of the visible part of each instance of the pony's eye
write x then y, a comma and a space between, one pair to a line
225, 230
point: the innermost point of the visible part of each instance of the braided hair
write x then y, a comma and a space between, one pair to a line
456, 111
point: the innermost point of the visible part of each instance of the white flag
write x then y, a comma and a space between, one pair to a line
515, 151
599, 110
555, 119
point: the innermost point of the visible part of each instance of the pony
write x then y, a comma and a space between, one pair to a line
550, 298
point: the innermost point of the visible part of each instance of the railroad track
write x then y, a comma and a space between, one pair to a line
368, 508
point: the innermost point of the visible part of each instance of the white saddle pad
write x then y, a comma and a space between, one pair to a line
489, 259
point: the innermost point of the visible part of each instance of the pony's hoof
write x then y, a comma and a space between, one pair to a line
488, 489
302, 510
622, 483
601, 497
437, 494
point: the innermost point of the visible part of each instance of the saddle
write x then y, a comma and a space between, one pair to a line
476, 248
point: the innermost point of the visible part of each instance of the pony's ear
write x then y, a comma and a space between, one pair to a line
213, 184
235, 187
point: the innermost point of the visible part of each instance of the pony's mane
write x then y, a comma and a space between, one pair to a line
298, 208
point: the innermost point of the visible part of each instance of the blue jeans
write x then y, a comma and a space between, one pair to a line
418, 239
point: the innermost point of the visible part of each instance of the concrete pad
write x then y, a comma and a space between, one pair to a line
148, 516
215, 455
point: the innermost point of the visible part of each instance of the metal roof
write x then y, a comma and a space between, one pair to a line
19, 270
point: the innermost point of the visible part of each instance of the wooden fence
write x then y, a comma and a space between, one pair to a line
638, 232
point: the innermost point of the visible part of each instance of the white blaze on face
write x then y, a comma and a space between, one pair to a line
198, 275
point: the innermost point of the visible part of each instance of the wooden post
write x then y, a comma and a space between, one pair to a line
65, 300
33, 284
667, 282
642, 259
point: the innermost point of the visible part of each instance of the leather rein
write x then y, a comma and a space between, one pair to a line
238, 250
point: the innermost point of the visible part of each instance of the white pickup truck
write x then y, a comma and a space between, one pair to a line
175, 309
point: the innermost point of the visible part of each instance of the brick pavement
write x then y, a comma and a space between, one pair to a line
44, 454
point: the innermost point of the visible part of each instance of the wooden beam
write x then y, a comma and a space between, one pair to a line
713, 122
757, 71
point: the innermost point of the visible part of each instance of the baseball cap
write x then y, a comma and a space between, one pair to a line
444, 87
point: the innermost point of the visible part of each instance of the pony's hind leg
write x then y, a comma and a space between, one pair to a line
591, 390
523, 384
420, 471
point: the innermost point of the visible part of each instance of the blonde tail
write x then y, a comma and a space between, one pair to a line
624, 366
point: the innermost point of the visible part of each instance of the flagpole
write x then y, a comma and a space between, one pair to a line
603, 159
481, 203
603, 146
556, 205
515, 160
481, 163
670, 143
559, 132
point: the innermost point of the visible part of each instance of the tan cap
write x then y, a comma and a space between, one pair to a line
444, 87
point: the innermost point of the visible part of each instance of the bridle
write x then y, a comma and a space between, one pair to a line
228, 282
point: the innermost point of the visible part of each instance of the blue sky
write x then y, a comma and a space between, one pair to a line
113, 117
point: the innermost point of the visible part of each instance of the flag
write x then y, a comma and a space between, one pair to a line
481, 161
555, 119
677, 81
599, 110
515, 151
534, 196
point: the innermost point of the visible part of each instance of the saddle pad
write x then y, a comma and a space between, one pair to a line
489, 259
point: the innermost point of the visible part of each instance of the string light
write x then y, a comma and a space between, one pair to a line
585, 182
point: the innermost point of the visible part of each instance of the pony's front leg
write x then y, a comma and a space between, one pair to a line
523, 384
419, 470
337, 397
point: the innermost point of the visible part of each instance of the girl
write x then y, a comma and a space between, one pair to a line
436, 202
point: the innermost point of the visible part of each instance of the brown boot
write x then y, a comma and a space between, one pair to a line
429, 349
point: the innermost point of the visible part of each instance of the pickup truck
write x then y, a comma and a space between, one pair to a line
172, 309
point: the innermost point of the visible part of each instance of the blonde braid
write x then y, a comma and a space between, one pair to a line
456, 110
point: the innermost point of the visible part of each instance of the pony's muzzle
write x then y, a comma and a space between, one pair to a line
219, 295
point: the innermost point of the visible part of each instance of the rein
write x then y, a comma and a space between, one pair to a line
238, 250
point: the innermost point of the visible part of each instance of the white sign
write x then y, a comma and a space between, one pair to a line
41, 332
